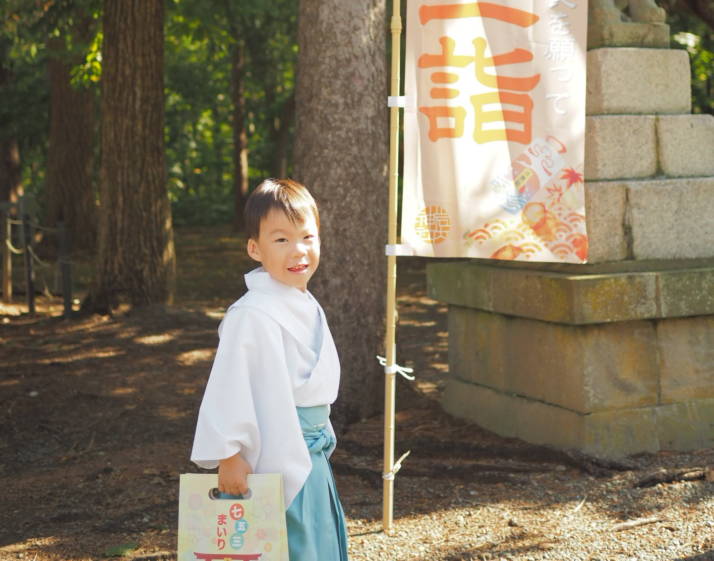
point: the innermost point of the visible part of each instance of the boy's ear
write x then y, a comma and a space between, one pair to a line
253, 249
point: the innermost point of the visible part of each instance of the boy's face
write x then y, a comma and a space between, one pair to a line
289, 252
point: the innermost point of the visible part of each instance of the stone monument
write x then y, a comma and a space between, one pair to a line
616, 356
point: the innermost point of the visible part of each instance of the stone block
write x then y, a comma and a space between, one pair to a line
650, 292
490, 409
541, 423
532, 294
628, 34
620, 146
612, 434
607, 434
686, 425
671, 218
612, 298
478, 341
638, 81
615, 434
536, 352
686, 145
605, 205
687, 358
583, 369
687, 292
619, 363
455, 283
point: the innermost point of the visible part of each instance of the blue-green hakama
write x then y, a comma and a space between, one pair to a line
315, 519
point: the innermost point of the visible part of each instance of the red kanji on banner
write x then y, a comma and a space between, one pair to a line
483, 117
504, 105
503, 82
477, 9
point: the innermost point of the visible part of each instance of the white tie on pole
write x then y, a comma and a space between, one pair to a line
396, 369
397, 466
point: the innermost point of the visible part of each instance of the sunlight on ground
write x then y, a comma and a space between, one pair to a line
19, 549
128, 333
216, 314
190, 358
11, 310
172, 413
160, 339
123, 391
7, 383
91, 354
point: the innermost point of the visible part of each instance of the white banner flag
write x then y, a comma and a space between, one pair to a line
494, 129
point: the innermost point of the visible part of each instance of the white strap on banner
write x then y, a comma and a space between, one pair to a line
396, 369
399, 250
396, 101
397, 466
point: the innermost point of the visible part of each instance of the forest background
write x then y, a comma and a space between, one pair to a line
110, 110
230, 73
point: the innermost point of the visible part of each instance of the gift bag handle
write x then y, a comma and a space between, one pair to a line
215, 495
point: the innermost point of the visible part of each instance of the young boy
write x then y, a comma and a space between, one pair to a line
275, 374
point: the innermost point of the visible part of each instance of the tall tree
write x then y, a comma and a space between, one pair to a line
240, 134
136, 251
341, 154
10, 168
69, 187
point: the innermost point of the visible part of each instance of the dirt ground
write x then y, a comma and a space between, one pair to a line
98, 416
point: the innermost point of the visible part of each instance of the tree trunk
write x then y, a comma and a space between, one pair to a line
240, 136
281, 137
136, 251
10, 171
341, 154
69, 190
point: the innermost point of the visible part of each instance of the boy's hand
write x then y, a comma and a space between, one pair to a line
233, 475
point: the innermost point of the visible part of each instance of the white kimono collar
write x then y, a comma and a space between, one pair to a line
259, 279
287, 305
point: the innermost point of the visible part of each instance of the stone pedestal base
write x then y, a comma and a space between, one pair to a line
611, 360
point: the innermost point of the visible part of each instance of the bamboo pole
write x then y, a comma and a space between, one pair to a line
391, 310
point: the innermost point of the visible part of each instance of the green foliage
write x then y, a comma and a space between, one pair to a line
26, 26
201, 37
692, 34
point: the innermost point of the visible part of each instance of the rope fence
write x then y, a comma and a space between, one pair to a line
26, 228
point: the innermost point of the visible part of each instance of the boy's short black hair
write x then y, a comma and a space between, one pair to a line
287, 195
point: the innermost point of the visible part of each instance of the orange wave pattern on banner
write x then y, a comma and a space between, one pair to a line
554, 225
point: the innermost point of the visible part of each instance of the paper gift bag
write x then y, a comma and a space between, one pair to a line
243, 529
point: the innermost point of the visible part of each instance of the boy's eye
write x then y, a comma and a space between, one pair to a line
281, 240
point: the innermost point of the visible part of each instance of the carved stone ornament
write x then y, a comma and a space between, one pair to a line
626, 23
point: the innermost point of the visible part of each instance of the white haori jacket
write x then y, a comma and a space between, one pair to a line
275, 353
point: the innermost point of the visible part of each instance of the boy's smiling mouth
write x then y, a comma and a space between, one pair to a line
298, 268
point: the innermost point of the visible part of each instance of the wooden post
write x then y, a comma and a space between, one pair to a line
391, 313
65, 267
26, 237
6, 237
